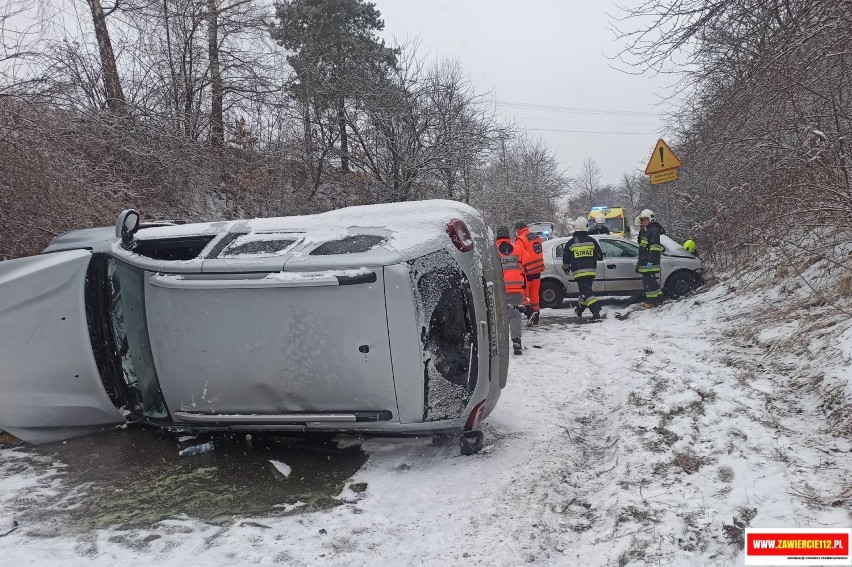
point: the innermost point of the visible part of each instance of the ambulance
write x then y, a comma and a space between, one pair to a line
616, 219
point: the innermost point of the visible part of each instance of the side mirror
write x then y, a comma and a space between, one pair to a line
127, 225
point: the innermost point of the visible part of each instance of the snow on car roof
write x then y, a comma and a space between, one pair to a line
412, 228
671, 246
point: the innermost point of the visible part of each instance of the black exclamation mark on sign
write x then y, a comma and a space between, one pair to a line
661, 158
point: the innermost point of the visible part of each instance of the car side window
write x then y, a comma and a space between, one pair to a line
616, 249
256, 245
560, 250
354, 244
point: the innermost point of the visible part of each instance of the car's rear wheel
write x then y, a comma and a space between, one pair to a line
680, 283
551, 294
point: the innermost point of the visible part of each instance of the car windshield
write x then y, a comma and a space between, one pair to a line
615, 224
130, 333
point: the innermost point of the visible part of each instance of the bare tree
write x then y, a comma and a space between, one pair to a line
109, 68
765, 121
588, 181
88, 131
629, 190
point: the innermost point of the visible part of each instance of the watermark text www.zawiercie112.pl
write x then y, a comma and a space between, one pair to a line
798, 546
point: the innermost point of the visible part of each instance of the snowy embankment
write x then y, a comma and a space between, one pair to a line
651, 440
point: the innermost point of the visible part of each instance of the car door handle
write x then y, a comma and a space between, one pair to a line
276, 279
610, 266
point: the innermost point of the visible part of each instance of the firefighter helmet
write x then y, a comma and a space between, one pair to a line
689, 246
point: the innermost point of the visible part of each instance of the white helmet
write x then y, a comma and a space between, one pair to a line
581, 223
600, 219
647, 214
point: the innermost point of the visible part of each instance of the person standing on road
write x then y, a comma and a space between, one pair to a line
580, 258
650, 251
532, 258
513, 277
600, 226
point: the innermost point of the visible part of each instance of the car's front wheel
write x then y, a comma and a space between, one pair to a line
680, 283
551, 294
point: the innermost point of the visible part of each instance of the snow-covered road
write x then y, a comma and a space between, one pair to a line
624, 442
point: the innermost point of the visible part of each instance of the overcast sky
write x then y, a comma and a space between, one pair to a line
545, 53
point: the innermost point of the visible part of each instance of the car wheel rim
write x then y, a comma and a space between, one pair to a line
548, 296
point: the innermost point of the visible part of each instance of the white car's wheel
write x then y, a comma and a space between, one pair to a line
551, 295
680, 283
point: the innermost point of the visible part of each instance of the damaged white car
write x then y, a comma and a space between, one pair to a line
382, 318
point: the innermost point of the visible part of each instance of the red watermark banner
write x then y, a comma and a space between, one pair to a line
798, 546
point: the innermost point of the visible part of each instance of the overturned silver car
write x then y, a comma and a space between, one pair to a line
382, 318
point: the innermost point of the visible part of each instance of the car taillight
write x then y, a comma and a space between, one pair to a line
476, 416
460, 235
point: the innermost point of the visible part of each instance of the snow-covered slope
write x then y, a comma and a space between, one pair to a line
646, 441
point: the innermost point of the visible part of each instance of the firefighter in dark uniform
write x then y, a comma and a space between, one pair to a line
600, 226
532, 257
513, 277
580, 258
650, 251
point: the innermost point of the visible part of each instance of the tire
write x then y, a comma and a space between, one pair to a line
551, 294
680, 283
470, 442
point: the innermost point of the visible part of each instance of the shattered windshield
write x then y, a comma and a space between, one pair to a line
448, 334
130, 333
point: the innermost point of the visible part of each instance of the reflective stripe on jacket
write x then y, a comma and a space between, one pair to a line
513, 272
581, 255
650, 248
533, 254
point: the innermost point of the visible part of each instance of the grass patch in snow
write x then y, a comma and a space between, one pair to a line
735, 531
688, 461
725, 474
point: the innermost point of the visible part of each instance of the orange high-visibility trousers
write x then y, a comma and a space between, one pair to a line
533, 286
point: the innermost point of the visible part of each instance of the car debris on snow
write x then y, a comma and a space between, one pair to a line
197, 449
282, 468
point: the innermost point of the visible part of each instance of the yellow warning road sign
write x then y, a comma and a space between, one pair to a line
663, 177
663, 159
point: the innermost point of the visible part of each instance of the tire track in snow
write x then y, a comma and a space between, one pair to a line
567, 448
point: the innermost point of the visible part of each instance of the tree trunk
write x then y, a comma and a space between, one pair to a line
344, 142
172, 72
114, 95
217, 123
308, 163
341, 107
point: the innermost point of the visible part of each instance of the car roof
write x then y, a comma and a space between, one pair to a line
557, 241
672, 247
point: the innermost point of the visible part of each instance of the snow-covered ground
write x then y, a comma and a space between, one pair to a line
647, 441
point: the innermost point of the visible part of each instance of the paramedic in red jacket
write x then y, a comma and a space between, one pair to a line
532, 259
513, 277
